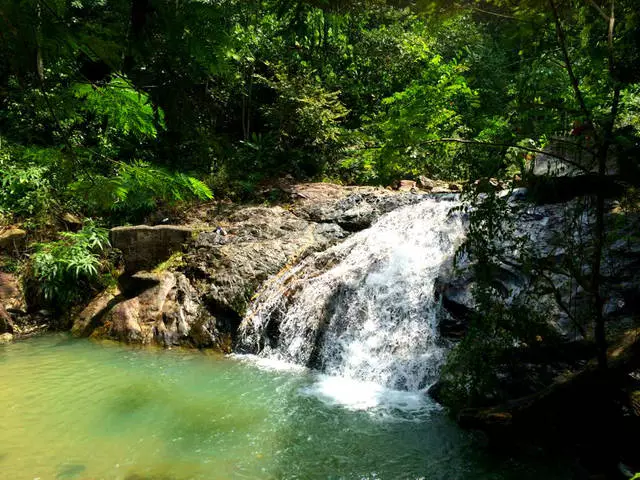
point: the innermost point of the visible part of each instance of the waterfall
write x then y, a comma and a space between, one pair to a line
364, 309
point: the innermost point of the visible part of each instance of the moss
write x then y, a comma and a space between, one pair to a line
173, 262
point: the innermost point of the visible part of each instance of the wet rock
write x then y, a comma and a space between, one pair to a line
145, 247
12, 239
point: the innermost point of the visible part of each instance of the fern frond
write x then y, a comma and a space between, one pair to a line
127, 110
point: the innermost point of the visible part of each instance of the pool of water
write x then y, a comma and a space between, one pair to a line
75, 409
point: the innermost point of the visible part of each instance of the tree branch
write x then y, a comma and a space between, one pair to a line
562, 39
488, 145
599, 9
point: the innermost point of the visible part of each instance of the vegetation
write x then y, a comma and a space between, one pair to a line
111, 110
64, 271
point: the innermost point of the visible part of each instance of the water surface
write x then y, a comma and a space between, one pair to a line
75, 409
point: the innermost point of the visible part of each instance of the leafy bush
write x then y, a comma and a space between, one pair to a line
64, 270
26, 181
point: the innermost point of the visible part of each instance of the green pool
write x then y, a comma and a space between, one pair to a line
75, 409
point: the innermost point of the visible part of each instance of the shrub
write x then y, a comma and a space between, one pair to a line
65, 270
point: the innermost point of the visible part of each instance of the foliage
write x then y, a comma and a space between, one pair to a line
27, 185
504, 319
138, 188
414, 119
124, 109
65, 269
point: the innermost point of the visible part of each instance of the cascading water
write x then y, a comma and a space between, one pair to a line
364, 309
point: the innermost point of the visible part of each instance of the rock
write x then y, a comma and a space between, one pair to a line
12, 239
406, 185
454, 187
435, 391
72, 221
6, 323
11, 296
440, 189
567, 400
6, 338
260, 241
165, 311
144, 247
425, 183
352, 208
87, 319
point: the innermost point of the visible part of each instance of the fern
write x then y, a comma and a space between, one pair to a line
62, 269
139, 187
125, 109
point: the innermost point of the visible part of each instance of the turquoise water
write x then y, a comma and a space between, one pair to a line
75, 409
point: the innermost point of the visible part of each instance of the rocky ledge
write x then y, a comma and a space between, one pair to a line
190, 284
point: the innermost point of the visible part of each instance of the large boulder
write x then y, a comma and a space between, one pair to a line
229, 264
91, 316
155, 308
144, 247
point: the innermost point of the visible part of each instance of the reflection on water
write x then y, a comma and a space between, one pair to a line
72, 409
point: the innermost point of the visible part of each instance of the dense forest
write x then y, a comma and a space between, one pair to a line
113, 110
132, 101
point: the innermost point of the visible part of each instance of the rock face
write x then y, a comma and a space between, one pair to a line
157, 308
257, 243
556, 235
237, 250
144, 247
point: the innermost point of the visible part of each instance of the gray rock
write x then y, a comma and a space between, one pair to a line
557, 235
144, 247
260, 242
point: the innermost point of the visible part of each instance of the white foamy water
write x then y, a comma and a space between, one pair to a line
364, 311
358, 395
